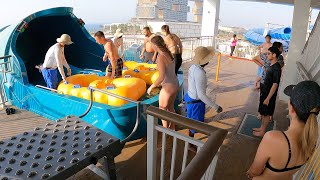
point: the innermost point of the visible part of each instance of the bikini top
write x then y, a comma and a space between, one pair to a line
286, 168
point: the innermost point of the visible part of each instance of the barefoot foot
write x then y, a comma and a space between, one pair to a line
258, 133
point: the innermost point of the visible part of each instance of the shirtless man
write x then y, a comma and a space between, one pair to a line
116, 64
148, 53
261, 59
174, 45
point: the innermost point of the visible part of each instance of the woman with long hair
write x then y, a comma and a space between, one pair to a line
281, 153
167, 78
174, 45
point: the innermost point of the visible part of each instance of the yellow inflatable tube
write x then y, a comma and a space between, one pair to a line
129, 87
145, 71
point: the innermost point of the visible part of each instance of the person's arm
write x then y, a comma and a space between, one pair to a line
262, 157
257, 60
58, 57
260, 48
144, 49
65, 64
111, 57
275, 80
105, 57
201, 86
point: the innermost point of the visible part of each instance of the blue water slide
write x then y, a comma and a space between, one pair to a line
28, 42
255, 36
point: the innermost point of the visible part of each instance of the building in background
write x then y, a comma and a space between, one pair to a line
174, 10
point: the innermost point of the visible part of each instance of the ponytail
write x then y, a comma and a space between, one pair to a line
310, 135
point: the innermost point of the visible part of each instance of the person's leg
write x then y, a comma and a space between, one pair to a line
163, 103
264, 124
178, 62
44, 73
109, 70
171, 107
119, 68
232, 50
262, 109
54, 78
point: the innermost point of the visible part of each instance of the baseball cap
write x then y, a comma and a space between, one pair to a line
304, 97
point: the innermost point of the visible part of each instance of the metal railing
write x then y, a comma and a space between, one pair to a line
138, 103
243, 49
5, 67
202, 165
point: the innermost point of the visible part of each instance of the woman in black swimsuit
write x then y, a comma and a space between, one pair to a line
281, 154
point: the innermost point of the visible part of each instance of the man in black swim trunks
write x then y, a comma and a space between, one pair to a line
116, 64
268, 90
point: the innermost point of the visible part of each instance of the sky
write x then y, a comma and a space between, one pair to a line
232, 13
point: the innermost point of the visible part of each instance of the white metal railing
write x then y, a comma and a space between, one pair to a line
5, 67
310, 58
243, 49
205, 150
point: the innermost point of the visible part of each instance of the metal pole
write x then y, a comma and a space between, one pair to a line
218, 67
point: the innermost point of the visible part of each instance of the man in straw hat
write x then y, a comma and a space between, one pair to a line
54, 60
114, 69
196, 97
118, 42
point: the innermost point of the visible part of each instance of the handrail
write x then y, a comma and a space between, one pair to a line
43, 87
181, 120
204, 157
304, 73
120, 97
92, 70
7, 56
312, 32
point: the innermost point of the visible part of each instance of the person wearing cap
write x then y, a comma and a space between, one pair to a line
114, 69
54, 60
281, 154
196, 97
268, 91
118, 42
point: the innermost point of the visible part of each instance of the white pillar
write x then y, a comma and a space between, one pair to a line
297, 42
210, 18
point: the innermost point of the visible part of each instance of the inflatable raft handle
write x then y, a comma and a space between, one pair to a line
110, 87
127, 76
136, 70
92, 70
125, 68
152, 69
77, 86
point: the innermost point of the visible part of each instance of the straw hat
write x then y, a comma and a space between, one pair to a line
118, 33
203, 55
65, 39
